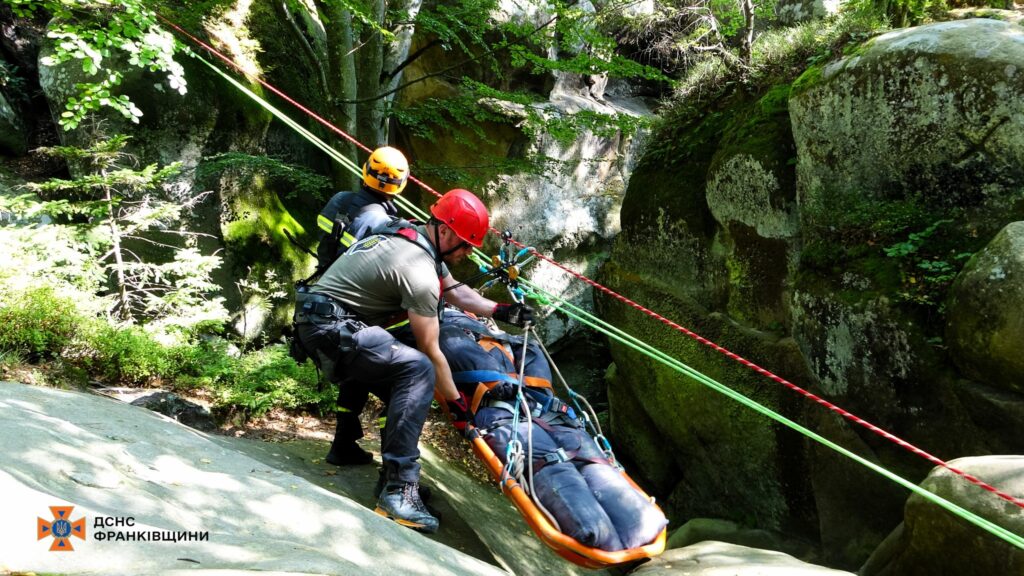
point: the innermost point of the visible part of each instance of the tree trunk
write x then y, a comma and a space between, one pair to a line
341, 77
396, 52
125, 311
746, 51
361, 68
372, 125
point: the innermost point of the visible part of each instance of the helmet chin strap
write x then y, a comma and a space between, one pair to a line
437, 243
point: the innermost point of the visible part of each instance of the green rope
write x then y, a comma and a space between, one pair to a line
588, 319
599, 325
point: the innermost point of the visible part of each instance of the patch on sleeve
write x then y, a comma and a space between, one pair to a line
367, 244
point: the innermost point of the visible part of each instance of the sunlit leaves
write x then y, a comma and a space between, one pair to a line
95, 32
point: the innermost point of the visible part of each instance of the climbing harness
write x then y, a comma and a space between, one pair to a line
592, 321
532, 402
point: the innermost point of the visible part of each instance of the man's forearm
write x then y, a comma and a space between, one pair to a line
469, 300
443, 382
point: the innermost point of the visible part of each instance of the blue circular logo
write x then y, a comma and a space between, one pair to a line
61, 528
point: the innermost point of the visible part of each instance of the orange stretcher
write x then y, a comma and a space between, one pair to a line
563, 545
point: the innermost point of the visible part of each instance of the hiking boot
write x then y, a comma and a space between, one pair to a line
401, 503
425, 492
349, 454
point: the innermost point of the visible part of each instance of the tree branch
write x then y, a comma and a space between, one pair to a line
496, 49
282, 7
410, 59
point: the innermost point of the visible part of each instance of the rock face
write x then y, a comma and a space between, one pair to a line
113, 460
986, 325
921, 545
720, 559
815, 229
12, 130
571, 208
944, 120
709, 241
791, 12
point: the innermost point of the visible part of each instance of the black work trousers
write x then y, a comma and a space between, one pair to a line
352, 399
374, 360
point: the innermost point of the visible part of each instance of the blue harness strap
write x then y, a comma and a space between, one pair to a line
471, 376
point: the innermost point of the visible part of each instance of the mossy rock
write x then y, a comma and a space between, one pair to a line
933, 540
722, 459
932, 113
874, 171
751, 193
260, 263
986, 327
12, 130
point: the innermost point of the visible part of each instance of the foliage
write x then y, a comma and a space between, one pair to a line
300, 182
903, 13
12, 84
678, 35
113, 205
269, 378
928, 268
103, 36
63, 256
259, 292
569, 40
38, 322
778, 56
126, 353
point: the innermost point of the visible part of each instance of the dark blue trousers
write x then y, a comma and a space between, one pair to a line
374, 360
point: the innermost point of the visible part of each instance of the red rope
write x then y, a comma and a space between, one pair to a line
821, 401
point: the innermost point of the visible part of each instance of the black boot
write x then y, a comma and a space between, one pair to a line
344, 450
425, 492
348, 454
401, 503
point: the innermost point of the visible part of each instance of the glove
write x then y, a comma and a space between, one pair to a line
458, 410
516, 314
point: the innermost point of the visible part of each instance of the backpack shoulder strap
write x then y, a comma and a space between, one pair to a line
404, 229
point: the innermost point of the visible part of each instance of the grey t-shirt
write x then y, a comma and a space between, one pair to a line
381, 276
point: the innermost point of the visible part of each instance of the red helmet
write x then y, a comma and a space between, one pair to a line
464, 213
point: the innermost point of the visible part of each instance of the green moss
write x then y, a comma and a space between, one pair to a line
762, 130
265, 224
810, 78
669, 182
725, 456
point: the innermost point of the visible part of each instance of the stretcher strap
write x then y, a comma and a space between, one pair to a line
489, 376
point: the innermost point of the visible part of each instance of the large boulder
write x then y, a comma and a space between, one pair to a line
721, 559
814, 229
933, 541
932, 110
908, 158
706, 455
985, 327
709, 241
119, 462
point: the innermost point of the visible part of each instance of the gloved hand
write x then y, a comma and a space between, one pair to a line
458, 410
516, 313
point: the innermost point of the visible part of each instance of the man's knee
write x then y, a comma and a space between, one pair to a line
423, 367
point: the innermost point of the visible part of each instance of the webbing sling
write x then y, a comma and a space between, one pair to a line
471, 376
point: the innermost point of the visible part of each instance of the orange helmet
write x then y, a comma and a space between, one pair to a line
464, 213
386, 170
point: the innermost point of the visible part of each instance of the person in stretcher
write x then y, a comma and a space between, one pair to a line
573, 481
